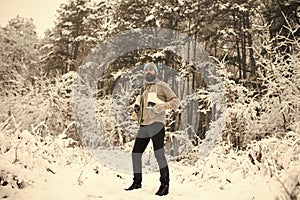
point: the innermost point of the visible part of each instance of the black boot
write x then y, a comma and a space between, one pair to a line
134, 186
164, 176
163, 190
164, 180
137, 182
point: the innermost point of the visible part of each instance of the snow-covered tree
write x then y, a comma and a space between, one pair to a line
72, 38
280, 77
272, 107
19, 54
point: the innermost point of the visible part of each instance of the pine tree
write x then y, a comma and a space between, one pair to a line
228, 31
73, 36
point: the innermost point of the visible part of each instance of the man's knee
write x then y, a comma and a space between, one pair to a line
161, 158
135, 155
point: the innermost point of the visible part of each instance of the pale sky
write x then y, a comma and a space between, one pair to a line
42, 12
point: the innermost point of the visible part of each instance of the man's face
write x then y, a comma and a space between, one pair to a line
150, 74
149, 70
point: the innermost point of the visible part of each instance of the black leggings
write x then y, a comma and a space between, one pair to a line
143, 137
155, 132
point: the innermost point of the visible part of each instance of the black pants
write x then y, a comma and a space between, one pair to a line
155, 132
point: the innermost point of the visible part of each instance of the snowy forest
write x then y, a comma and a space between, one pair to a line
65, 127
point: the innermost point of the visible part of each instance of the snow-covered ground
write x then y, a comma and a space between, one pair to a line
80, 181
50, 168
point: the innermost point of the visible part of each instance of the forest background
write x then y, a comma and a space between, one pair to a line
254, 44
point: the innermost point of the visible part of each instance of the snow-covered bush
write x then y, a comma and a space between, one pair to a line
24, 151
269, 105
48, 101
272, 160
241, 113
279, 109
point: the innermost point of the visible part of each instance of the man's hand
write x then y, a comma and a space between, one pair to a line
161, 107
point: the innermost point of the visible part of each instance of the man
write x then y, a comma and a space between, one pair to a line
150, 108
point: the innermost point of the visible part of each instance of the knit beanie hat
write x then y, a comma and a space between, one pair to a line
151, 65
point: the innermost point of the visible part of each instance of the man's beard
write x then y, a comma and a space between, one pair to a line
150, 77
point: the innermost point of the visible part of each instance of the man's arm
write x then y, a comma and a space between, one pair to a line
134, 104
172, 101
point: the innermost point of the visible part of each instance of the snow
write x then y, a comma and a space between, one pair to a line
40, 159
118, 74
51, 168
158, 54
149, 18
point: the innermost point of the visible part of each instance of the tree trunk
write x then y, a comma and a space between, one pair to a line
244, 50
183, 88
76, 44
237, 45
250, 45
